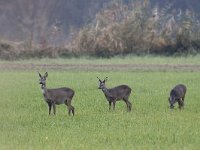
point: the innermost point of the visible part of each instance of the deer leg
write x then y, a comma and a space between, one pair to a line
70, 107
114, 105
110, 104
73, 110
128, 104
49, 104
126, 101
54, 108
180, 103
183, 101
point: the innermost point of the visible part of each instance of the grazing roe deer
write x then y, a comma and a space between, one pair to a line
121, 92
177, 94
56, 96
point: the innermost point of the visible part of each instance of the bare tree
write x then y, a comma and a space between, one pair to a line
33, 18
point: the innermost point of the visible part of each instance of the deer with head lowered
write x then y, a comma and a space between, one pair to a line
177, 94
121, 92
56, 96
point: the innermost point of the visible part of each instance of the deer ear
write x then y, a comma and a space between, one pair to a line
46, 74
105, 79
39, 75
99, 79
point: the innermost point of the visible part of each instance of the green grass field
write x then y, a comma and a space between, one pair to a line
130, 59
25, 123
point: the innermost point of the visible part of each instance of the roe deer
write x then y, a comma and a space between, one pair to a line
121, 92
177, 94
56, 96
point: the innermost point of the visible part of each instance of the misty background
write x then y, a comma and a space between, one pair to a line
34, 24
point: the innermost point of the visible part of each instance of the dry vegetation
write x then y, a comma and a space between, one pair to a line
140, 29
14, 50
134, 28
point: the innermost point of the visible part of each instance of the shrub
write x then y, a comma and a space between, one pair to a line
138, 28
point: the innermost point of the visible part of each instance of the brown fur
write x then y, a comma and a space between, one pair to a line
121, 92
56, 96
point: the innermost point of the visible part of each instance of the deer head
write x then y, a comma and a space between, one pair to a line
102, 83
171, 100
42, 79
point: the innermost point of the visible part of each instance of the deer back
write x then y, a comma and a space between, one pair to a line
120, 92
178, 91
59, 95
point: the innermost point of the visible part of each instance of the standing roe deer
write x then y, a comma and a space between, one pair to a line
121, 92
56, 96
177, 94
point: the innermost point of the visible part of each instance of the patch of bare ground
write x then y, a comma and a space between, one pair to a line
101, 67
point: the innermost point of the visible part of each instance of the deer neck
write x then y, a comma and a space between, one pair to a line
44, 89
105, 91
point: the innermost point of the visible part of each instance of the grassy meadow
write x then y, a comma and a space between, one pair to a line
25, 123
129, 59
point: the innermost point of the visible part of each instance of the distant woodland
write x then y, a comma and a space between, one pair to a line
39, 28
